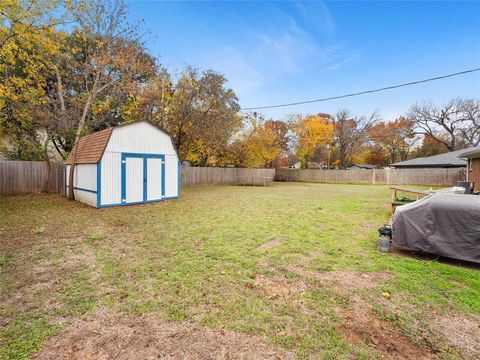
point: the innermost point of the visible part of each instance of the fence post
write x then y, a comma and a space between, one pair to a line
387, 177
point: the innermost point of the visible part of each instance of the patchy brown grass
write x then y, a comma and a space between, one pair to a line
278, 286
462, 333
272, 243
344, 280
361, 327
111, 335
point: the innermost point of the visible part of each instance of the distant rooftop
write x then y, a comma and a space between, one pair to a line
364, 166
470, 153
449, 159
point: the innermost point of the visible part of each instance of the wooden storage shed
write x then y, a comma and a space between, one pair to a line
130, 164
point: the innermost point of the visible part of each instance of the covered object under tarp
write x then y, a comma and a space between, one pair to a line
441, 224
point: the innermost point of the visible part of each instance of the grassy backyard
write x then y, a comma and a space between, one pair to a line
288, 271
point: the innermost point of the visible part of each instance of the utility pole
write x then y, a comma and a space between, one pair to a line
328, 156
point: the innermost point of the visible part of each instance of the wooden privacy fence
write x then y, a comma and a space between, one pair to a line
214, 175
29, 176
427, 177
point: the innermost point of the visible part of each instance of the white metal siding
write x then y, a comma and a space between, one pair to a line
154, 179
134, 180
171, 176
111, 178
142, 138
84, 177
86, 197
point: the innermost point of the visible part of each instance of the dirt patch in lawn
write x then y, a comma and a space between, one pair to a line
361, 326
270, 244
279, 287
110, 335
35, 286
462, 333
344, 280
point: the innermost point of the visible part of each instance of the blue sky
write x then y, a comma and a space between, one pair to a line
276, 52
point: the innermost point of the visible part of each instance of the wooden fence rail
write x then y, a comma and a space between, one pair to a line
427, 177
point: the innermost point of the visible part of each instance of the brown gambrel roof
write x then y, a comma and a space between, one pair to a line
91, 147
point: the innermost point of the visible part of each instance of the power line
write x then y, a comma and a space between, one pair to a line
363, 92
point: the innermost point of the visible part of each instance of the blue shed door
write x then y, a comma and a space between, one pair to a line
143, 178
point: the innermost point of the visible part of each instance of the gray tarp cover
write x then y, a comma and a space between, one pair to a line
441, 224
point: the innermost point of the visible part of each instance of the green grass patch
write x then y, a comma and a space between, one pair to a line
25, 336
196, 259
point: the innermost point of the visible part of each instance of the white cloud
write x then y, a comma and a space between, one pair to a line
316, 16
266, 57
342, 61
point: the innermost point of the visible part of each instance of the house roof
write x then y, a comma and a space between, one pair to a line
90, 148
449, 159
473, 153
364, 166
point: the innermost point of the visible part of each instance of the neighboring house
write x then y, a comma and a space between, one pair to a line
313, 165
473, 166
5, 145
448, 160
129, 164
362, 166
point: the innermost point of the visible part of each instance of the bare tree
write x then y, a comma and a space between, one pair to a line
350, 133
455, 125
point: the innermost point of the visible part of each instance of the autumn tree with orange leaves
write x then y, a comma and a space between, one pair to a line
313, 132
260, 144
395, 137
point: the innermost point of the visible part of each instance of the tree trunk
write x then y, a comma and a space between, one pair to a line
81, 124
49, 167
57, 149
204, 160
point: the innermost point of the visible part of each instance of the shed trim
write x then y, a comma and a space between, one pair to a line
83, 189
99, 183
